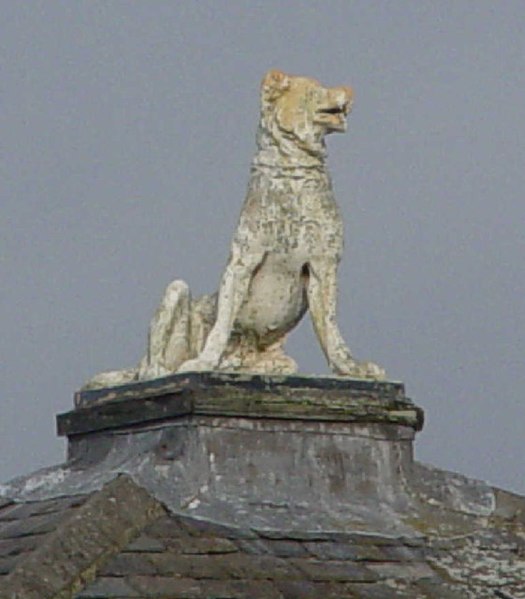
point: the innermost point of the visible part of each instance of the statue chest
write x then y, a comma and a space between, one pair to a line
296, 220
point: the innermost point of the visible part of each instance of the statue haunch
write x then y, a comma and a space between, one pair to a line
283, 259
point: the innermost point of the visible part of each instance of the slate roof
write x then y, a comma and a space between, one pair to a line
25, 526
151, 511
52, 548
120, 542
181, 557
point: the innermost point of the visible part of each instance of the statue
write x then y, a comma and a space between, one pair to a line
283, 260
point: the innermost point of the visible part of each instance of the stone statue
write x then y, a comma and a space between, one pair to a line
283, 258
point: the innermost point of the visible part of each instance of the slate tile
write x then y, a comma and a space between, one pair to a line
253, 546
355, 538
402, 554
166, 586
21, 511
164, 528
298, 589
402, 571
187, 566
31, 525
58, 504
7, 564
342, 571
202, 545
224, 566
285, 548
145, 544
344, 551
4, 502
436, 589
187, 588
108, 588
420, 541
379, 553
17, 546
359, 538
240, 589
302, 589
260, 567
9, 512
326, 550
293, 535
379, 591
126, 564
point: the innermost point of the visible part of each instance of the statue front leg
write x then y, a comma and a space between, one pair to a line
322, 302
232, 293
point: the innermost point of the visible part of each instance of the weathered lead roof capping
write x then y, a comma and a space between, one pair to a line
250, 503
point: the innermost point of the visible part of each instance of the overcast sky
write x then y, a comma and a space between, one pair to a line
127, 133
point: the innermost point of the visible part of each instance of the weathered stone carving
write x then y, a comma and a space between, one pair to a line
283, 259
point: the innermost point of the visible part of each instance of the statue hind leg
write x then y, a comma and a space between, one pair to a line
169, 333
177, 333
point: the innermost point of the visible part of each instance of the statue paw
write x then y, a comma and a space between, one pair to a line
197, 365
111, 379
153, 372
373, 371
360, 370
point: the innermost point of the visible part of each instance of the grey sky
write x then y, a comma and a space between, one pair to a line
127, 131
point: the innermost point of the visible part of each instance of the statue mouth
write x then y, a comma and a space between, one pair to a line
335, 110
333, 117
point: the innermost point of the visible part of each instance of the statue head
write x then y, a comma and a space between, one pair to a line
297, 113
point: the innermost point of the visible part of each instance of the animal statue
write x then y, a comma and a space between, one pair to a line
283, 259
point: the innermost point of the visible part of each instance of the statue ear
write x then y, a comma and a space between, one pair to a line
273, 85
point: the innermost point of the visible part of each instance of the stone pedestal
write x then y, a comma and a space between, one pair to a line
306, 486
256, 450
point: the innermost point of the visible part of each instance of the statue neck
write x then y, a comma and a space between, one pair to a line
288, 153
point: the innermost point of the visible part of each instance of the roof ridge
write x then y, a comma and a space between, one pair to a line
70, 556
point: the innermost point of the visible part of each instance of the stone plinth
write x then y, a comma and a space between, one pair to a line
324, 399
258, 449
